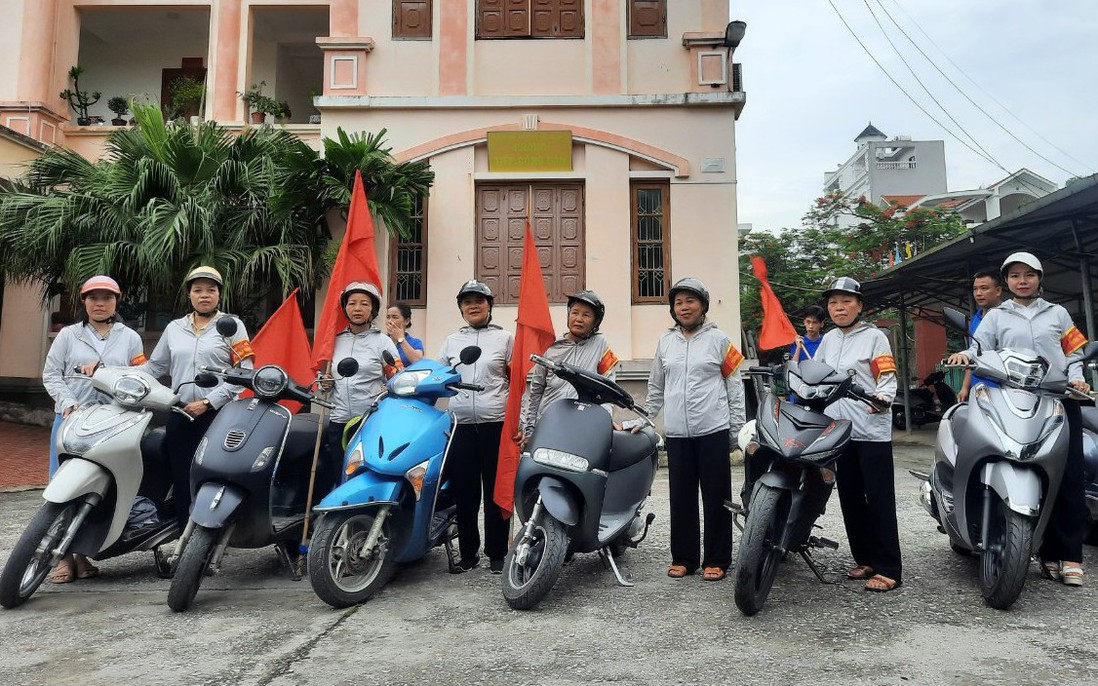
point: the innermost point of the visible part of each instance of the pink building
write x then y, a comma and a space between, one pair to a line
612, 120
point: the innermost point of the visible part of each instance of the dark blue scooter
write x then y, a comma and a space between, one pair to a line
394, 506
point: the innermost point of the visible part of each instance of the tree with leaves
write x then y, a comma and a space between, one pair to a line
166, 197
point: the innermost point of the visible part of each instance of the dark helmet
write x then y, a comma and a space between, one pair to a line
844, 284
478, 287
691, 285
361, 287
591, 299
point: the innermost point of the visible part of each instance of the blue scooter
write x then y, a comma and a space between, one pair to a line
394, 505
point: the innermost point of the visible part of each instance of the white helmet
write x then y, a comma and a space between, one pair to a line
1026, 258
746, 435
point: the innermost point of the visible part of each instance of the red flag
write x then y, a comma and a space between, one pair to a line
533, 334
356, 261
776, 332
283, 341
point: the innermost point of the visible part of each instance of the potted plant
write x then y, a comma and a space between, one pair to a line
258, 104
283, 111
120, 106
187, 95
79, 100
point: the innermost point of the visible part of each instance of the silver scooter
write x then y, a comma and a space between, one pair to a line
88, 501
998, 464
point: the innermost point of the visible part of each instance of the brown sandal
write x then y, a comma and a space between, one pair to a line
64, 572
677, 571
713, 574
881, 584
860, 572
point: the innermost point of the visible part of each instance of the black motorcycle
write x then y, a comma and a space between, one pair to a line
789, 460
580, 487
250, 476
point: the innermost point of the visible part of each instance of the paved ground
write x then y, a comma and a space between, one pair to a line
25, 455
253, 625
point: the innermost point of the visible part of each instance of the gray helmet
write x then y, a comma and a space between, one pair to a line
479, 287
591, 299
1026, 258
691, 285
361, 287
843, 284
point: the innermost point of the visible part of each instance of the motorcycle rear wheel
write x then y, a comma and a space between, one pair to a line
338, 572
31, 559
759, 555
193, 563
1003, 566
526, 585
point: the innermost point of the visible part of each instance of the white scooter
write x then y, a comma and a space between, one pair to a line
103, 451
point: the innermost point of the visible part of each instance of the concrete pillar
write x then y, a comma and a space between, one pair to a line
343, 18
930, 346
226, 26
36, 56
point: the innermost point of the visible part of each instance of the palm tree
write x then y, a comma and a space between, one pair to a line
166, 197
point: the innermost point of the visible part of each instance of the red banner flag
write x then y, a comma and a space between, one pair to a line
776, 331
533, 334
356, 261
283, 341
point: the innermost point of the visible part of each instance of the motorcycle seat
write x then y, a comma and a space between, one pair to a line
1090, 418
291, 483
627, 448
152, 447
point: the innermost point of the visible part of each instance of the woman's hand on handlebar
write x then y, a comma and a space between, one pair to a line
958, 358
1081, 386
89, 368
197, 408
875, 408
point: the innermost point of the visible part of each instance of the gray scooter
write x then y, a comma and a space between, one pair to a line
998, 464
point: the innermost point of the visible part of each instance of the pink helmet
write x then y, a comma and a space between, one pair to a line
100, 283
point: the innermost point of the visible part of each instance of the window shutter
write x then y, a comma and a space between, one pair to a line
647, 18
411, 18
557, 19
503, 18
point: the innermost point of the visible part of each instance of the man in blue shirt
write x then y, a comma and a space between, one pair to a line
804, 348
987, 291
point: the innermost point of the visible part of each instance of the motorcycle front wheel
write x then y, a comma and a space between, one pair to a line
342, 572
1003, 566
33, 558
526, 583
759, 554
193, 563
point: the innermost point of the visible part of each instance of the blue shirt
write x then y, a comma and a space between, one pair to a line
972, 326
412, 341
809, 344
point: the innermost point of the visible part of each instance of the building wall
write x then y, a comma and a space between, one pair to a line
928, 177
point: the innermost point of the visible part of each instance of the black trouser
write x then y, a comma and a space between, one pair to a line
867, 495
693, 463
333, 459
471, 468
181, 439
1067, 524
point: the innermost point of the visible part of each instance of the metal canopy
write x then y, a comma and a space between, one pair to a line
1061, 229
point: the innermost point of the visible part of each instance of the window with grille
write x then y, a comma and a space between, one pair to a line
411, 18
648, 18
408, 260
529, 18
651, 223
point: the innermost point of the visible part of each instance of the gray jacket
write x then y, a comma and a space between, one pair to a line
864, 349
181, 353
74, 347
352, 395
698, 381
593, 354
492, 371
1043, 327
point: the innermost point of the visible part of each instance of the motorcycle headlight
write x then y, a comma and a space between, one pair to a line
200, 453
561, 460
129, 390
263, 459
405, 383
354, 462
1025, 373
269, 381
415, 477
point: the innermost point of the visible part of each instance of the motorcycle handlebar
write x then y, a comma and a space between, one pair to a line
859, 393
462, 386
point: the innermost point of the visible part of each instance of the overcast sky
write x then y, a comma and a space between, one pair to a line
811, 89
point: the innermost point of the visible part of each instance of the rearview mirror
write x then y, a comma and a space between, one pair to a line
348, 366
205, 380
388, 357
955, 319
469, 354
226, 326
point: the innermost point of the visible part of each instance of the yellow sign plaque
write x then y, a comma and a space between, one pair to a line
529, 151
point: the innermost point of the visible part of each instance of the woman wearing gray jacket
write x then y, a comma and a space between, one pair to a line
695, 379
188, 344
99, 338
474, 450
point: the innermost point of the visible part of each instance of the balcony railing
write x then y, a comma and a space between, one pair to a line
896, 165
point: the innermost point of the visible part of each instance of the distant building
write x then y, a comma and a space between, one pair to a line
982, 204
883, 166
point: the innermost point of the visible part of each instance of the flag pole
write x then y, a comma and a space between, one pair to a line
303, 548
